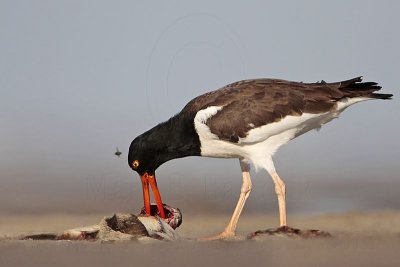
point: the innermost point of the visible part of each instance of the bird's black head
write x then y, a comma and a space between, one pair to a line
142, 157
175, 138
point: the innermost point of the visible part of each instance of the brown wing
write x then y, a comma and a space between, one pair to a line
252, 103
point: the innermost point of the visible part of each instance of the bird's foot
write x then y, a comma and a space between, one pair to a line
225, 235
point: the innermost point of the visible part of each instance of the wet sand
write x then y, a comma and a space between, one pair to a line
360, 239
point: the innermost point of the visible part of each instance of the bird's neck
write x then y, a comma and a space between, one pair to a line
175, 138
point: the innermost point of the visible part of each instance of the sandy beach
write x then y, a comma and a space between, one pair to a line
359, 239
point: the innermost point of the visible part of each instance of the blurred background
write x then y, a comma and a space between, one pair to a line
80, 78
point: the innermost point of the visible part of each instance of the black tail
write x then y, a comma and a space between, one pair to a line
356, 88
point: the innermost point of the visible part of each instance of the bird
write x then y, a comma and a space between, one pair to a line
118, 153
249, 120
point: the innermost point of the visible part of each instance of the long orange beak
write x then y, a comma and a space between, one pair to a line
146, 179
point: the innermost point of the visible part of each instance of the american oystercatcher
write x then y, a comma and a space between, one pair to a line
248, 120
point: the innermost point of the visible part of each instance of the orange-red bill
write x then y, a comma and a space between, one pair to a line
157, 196
146, 179
146, 193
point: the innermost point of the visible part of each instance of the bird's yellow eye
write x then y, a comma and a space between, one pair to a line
135, 164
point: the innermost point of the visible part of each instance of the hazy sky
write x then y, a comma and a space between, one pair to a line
78, 78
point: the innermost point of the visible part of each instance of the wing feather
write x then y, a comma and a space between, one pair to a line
250, 104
